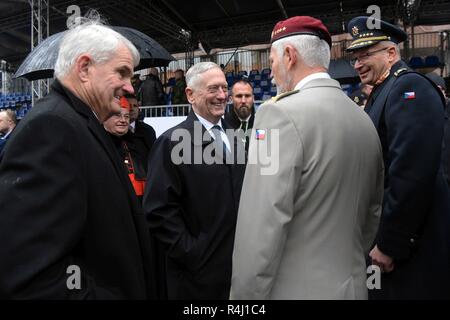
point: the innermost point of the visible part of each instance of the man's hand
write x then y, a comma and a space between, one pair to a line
385, 262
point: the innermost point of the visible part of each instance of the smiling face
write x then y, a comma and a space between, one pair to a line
209, 98
107, 81
118, 123
373, 62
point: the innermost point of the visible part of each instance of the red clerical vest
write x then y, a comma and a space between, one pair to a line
138, 185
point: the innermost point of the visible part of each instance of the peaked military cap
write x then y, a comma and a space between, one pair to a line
367, 31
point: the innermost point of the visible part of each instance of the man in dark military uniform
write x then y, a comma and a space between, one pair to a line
412, 246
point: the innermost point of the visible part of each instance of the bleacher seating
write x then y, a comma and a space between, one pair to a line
265, 85
263, 89
416, 62
230, 78
17, 101
432, 62
258, 93
265, 73
427, 62
253, 74
242, 74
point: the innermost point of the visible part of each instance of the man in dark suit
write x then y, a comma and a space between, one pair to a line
138, 127
242, 115
195, 178
412, 247
8, 122
70, 223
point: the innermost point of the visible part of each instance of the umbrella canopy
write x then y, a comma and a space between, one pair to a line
341, 70
40, 63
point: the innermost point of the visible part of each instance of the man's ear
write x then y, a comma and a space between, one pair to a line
392, 54
82, 65
290, 54
190, 95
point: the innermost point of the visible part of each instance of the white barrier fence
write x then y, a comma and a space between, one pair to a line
164, 117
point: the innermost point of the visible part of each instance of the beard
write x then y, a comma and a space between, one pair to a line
284, 84
243, 112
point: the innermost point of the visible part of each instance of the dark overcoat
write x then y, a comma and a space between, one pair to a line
408, 112
67, 203
191, 210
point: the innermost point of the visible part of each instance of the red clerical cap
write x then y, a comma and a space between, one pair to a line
300, 25
124, 103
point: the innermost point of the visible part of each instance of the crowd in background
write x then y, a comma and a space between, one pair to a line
293, 201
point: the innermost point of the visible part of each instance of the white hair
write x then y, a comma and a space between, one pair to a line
393, 44
93, 38
194, 72
314, 51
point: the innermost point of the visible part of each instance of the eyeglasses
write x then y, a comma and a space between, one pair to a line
363, 58
122, 116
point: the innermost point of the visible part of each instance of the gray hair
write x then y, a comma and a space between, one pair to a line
393, 44
94, 38
313, 50
194, 72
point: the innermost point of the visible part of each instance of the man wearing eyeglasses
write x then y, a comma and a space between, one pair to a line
412, 246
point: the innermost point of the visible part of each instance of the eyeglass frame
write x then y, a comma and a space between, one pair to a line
122, 116
365, 56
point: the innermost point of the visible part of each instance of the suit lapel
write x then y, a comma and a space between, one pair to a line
376, 108
100, 134
97, 131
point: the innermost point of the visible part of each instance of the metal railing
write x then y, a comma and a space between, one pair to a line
179, 110
423, 44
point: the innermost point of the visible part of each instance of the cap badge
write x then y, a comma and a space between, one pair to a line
274, 33
355, 30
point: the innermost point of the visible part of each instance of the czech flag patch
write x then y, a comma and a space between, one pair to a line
409, 95
260, 134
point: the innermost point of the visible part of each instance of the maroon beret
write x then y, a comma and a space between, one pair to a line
300, 25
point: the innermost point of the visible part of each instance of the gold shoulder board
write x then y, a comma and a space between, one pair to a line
284, 94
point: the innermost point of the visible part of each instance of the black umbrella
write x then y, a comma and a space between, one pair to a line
40, 63
342, 71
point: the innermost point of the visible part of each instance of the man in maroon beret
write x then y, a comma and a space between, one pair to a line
305, 226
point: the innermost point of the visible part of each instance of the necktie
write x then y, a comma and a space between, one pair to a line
244, 126
245, 139
221, 146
